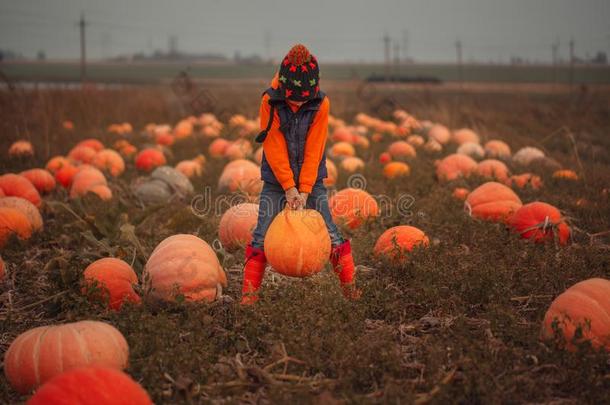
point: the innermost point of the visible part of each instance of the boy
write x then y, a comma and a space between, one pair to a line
294, 119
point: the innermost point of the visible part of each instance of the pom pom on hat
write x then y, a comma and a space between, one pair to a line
298, 55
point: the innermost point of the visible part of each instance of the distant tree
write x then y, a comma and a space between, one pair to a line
41, 55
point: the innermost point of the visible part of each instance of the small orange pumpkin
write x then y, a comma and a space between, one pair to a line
353, 207
85, 180
565, 174
13, 221
21, 149
396, 169
455, 166
56, 163
342, 149
494, 169
240, 149
524, 180
110, 161
65, 175
27, 208
83, 154
241, 175
18, 186
236, 226
116, 280
460, 193
352, 164
464, 135
297, 243
150, 158
92, 143
540, 222
396, 242
41, 179
218, 147
439, 133
492, 201
497, 149
401, 150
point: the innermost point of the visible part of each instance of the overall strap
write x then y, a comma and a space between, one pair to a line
273, 99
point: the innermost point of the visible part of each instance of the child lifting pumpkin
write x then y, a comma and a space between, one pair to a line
294, 121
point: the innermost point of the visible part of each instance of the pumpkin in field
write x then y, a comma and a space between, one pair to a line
165, 139
460, 193
68, 125
580, 314
83, 154
127, 150
14, 185
396, 169
540, 222
153, 192
493, 169
464, 135
178, 182
110, 161
41, 179
240, 149
401, 150
111, 280
497, 149
474, 150
416, 140
455, 166
183, 129
362, 141
565, 174
27, 208
241, 175
65, 175
353, 207
91, 143
56, 163
342, 149
524, 180
433, 146
332, 173
236, 226
191, 168
352, 164
13, 222
385, 158
297, 243
148, 159
40, 354
88, 180
439, 133
343, 134
184, 265
218, 147
526, 156
21, 149
396, 242
91, 386
492, 201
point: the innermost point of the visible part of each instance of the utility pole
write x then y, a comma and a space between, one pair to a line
386, 44
555, 53
396, 60
572, 60
405, 46
458, 51
83, 51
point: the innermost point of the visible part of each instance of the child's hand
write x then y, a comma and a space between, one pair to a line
294, 199
304, 197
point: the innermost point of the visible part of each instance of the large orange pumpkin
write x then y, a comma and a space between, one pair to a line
114, 279
401, 150
494, 169
21, 149
523, 180
91, 386
85, 180
148, 159
83, 154
396, 242
218, 147
92, 143
110, 161
236, 226
492, 201
396, 169
540, 222
342, 149
581, 313
352, 207
297, 243
18, 186
56, 163
241, 175
40, 354
41, 179
497, 149
27, 208
455, 166
184, 265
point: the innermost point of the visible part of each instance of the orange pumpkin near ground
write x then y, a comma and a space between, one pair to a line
580, 314
148, 159
88, 180
184, 265
492, 201
13, 222
110, 161
41, 179
218, 147
439, 133
21, 149
236, 226
26, 208
92, 143
14, 185
91, 386
497, 149
493, 169
297, 243
42, 353
65, 175
83, 154
113, 279
353, 207
342, 149
540, 222
396, 242
565, 174
385, 158
460, 193
455, 166
465, 135
352, 164
241, 175
524, 180
396, 169
401, 150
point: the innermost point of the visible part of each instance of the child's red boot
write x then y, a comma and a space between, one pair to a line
343, 265
254, 271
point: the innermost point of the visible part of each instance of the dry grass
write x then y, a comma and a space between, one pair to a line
459, 323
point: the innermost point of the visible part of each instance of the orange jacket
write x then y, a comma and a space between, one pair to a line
276, 150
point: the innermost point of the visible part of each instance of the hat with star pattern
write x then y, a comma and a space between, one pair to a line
299, 74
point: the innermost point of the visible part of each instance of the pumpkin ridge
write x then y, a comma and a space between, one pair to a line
593, 301
36, 354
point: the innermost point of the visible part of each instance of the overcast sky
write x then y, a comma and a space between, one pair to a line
335, 30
